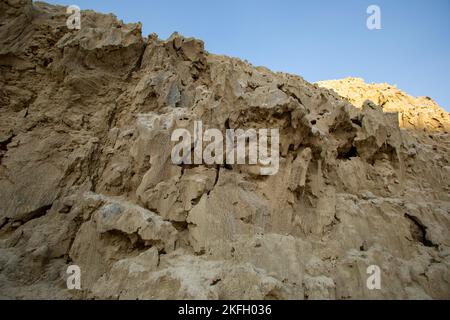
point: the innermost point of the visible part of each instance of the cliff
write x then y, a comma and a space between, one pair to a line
86, 176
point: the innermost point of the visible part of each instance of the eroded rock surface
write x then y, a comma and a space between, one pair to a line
86, 175
420, 114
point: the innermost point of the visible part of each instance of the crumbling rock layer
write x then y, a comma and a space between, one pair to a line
86, 176
419, 114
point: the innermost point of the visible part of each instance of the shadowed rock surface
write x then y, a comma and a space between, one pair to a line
419, 114
86, 176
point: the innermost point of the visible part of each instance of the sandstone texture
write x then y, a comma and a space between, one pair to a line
420, 114
86, 176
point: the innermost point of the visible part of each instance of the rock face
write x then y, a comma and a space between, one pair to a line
86, 176
420, 114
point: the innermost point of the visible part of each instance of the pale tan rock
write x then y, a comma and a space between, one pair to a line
410, 112
86, 176
299, 169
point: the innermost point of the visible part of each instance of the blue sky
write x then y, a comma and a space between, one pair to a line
318, 40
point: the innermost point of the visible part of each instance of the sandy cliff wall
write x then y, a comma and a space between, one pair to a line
86, 175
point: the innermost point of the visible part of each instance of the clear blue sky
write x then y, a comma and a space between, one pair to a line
319, 40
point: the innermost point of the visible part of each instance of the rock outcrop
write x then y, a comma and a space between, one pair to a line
419, 114
86, 176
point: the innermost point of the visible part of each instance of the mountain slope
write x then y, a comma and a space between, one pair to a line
86, 176
420, 113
